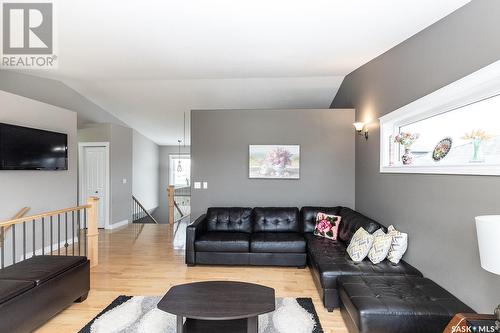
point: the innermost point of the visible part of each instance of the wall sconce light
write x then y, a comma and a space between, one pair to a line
359, 126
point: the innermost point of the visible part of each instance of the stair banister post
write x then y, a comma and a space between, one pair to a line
92, 232
171, 204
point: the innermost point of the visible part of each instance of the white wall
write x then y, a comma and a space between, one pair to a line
40, 190
146, 171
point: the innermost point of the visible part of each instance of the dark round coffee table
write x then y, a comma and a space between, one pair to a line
218, 306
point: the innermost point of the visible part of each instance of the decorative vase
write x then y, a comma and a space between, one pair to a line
279, 170
407, 157
477, 155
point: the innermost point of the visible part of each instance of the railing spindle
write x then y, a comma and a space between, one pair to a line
2, 246
24, 240
85, 231
34, 240
58, 234
14, 244
43, 236
79, 231
66, 232
73, 233
51, 236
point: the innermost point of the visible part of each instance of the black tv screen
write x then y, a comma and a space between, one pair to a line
23, 148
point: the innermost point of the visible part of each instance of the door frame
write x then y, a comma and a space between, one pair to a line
81, 199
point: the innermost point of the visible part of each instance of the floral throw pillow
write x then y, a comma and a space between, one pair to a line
327, 226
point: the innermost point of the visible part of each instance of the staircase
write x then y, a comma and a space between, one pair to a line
140, 214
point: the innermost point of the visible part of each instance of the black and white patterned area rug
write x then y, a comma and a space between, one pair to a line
139, 314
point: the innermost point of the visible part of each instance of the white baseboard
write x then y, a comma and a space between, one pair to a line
46, 249
118, 224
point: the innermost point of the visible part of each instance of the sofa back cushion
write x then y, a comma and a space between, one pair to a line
276, 219
352, 221
308, 216
229, 219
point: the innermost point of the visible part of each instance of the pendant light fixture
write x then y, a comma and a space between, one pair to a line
179, 166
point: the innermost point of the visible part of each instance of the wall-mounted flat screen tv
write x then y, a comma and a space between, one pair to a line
23, 148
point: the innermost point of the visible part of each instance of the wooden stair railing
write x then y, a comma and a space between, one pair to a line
19, 214
85, 218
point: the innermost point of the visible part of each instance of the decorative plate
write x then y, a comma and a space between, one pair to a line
442, 149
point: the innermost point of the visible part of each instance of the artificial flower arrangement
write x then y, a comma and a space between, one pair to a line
327, 226
406, 139
279, 157
477, 138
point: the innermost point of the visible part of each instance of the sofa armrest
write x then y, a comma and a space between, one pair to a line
193, 231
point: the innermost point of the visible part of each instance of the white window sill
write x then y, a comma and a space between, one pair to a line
485, 170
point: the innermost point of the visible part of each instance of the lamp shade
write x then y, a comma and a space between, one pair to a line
359, 126
488, 237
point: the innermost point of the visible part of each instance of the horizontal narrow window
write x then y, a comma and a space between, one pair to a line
455, 130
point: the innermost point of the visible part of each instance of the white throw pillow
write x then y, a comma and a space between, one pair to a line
381, 245
398, 246
360, 245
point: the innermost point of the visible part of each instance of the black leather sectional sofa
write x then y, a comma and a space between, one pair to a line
382, 298
284, 237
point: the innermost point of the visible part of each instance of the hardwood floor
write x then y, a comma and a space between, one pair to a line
151, 262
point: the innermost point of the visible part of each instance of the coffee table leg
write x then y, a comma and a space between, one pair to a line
253, 325
180, 324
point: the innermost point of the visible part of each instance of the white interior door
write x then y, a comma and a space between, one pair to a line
95, 178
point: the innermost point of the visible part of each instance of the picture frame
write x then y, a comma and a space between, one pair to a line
274, 161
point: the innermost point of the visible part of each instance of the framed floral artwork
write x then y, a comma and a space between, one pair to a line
274, 161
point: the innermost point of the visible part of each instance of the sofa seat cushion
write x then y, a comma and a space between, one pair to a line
286, 242
41, 268
12, 288
403, 304
223, 242
330, 259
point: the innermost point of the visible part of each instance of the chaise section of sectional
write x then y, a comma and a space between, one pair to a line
328, 260
396, 304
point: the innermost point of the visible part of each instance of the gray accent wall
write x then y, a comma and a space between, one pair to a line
437, 211
219, 155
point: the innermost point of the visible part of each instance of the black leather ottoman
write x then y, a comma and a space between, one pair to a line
396, 304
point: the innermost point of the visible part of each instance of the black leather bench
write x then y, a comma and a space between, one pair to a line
36, 289
396, 304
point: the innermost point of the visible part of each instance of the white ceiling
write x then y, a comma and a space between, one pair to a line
147, 62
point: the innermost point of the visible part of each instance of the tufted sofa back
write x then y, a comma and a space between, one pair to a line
276, 219
229, 219
352, 221
308, 216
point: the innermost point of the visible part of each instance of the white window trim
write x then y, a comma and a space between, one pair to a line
477, 86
